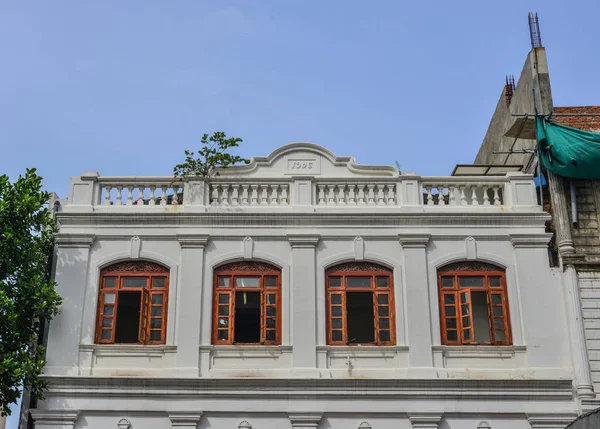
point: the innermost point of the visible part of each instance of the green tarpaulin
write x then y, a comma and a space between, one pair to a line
568, 152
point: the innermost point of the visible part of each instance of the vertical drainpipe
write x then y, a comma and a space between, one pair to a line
574, 214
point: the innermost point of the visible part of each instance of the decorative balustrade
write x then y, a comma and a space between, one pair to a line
140, 192
461, 192
249, 194
349, 194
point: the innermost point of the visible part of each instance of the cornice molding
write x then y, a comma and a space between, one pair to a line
305, 420
54, 417
74, 240
301, 240
184, 418
414, 240
193, 241
530, 240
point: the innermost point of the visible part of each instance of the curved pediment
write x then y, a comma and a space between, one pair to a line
306, 159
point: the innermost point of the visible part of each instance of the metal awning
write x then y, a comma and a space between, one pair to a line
484, 169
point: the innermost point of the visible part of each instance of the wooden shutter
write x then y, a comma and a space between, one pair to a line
450, 323
223, 319
498, 317
269, 311
144, 317
337, 317
107, 319
383, 310
466, 316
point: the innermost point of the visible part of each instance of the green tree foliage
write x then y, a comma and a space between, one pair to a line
214, 154
27, 296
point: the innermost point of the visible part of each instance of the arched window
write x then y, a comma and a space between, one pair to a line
473, 304
360, 304
133, 303
247, 304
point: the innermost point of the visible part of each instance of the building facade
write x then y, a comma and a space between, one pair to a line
306, 290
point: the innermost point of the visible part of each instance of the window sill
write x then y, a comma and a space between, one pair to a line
246, 350
124, 350
361, 350
479, 351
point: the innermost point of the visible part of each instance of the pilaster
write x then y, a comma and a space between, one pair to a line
425, 420
54, 419
190, 304
304, 303
183, 419
417, 299
305, 420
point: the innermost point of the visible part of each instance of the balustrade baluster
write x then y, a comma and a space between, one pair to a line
474, 197
254, 195
263, 195
119, 200
380, 200
107, 190
129, 199
321, 195
330, 195
234, 195
391, 195
441, 201
224, 195
351, 195
371, 197
163, 196
429, 195
486, 198
214, 195
341, 197
361, 194
152, 200
274, 195
284, 197
452, 195
496, 196
175, 199
463, 197
244, 195
140, 200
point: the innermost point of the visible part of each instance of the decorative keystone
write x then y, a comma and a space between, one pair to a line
414, 240
184, 419
298, 240
425, 420
193, 241
305, 420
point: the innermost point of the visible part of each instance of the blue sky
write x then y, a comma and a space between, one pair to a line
123, 87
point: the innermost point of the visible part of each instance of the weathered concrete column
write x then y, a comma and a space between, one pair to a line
187, 420
71, 264
417, 297
304, 303
425, 420
566, 251
54, 419
305, 420
190, 303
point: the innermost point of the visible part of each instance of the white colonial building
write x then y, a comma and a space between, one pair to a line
306, 290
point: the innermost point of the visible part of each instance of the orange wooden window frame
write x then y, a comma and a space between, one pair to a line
224, 302
133, 269
456, 309
341, 291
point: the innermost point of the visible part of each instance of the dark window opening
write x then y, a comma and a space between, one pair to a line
481, 323
360, 319
247, 317
128, 317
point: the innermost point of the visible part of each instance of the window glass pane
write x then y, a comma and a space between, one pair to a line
105, 335
496, 299
336, 323
384, 323
467, 334
224, 282
156, 322
382, 282
247, 281
109, 298
495, 282
271, 311
335, 281
450, 310
222, 335
497, 311
384, 311
270, 335
107, 322
134, 282
223, 298
452, 335
382, 298
336, 299
465, 310
500, 336
271, 298
157, 298
271, 323
223, 322
155, 335
158, 282
110, 282
470, 281
156, 311
336, 311
449, 299
336, 335
358, 282
447, 281
223, 310
499, 323
384, 336
451, 322
108, 310
466, 321
271, 281
464, 297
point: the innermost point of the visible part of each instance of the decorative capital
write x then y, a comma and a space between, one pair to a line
64, 418
530, 240
414, 240
305, 420
298, 240
548, 421
193, 241
425, 420
184, 419
74, 240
